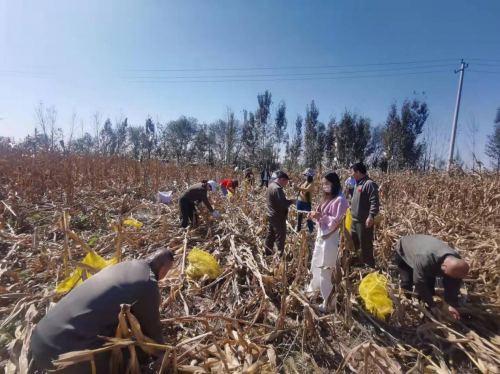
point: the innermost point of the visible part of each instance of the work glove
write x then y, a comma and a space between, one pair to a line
215, 214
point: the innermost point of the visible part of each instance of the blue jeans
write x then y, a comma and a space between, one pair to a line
306, 207
223, 189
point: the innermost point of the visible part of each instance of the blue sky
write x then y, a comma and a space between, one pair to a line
80, 55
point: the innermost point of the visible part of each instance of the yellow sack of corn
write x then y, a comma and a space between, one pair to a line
132, 222
92, 259
373, 291
201, 263
348, 219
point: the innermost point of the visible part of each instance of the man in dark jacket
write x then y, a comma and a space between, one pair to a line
422, 258
92, 309
364, 208
195, 194
264, 177
277, 212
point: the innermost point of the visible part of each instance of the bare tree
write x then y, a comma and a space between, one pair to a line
95, 120
72, 128
472, 131
46, 119
40, 120
51, 119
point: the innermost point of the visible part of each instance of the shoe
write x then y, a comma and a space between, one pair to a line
324, 310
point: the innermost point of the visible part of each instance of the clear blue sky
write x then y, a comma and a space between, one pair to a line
75, 55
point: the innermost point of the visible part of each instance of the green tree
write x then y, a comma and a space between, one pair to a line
179, 135
320, 145
296, 146
493, 144
108, 139
249, 137
121, 136
352, 136
310, 135
280, 127
265, 137
200, 144
135, 141
401, 134
330, 144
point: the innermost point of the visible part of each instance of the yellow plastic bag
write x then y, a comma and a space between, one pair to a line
92, 259
377, 220
373, 291
200, 263
230, 194
348, 219
132, 222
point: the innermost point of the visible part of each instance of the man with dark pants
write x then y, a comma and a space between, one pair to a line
422, 258
364, 208
196, 193
92, 308
264, 177
277, 212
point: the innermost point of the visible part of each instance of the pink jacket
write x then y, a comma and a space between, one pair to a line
333, 212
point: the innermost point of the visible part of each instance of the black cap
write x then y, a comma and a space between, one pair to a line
281, 175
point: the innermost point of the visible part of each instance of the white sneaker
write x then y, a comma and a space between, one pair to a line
324, 310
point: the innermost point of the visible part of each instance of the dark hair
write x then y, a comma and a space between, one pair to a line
159, 259
334, 179
309, 179
359, 167
234, 183
281, 175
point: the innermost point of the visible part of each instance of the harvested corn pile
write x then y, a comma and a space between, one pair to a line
255, 316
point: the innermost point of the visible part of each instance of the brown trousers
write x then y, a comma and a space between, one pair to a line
276, 233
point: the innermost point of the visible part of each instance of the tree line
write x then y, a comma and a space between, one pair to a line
262, 138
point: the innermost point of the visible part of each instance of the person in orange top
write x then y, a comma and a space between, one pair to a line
228, 185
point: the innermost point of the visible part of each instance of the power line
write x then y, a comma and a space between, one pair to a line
484, 71
486, 64
292, 74
482, 59
293, 79
299, 67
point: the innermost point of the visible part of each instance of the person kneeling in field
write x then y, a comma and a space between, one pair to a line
422, 258
328, 214
228, 185
197, 193
92, 309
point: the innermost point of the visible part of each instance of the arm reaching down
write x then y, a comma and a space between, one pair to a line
147, 312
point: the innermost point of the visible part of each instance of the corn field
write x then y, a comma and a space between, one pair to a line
255, 317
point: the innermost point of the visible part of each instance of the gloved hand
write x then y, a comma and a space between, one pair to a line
215, 214
199, 205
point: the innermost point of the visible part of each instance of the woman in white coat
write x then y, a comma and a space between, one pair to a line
331, 209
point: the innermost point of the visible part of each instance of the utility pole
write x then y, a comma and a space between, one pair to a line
457, 108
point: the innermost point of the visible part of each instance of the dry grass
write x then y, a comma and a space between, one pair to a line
255, 317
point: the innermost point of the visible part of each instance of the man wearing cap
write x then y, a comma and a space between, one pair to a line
304, 200
197, 193
277, 212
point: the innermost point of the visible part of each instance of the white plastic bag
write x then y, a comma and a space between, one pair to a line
165, 197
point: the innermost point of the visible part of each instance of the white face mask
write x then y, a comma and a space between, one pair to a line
327, 189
